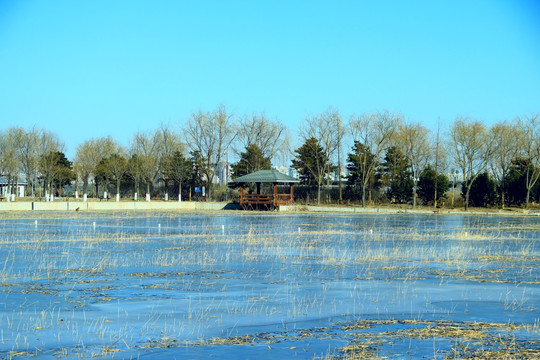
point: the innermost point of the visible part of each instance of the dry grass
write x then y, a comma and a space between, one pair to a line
366, 340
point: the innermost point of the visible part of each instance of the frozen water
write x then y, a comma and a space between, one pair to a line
240, 285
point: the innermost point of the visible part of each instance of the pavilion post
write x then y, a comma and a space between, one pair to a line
292, 193
241, 196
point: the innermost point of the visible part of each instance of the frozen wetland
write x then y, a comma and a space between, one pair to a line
241, 285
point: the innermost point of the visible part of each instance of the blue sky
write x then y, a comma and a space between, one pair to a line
97, 68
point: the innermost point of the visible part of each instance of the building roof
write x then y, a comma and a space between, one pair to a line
4, 181
266, 176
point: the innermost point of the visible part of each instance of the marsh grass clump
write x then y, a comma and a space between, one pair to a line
468, 340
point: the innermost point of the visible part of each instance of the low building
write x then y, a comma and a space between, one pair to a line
5, 187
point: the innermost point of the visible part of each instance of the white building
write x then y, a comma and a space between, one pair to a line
287, 171
5, 188
223, 174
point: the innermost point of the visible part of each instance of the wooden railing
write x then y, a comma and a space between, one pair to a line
258, 199
268, 201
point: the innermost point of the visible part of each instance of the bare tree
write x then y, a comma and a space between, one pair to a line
340, 135
29, 157
134, 170
471, 148
179, 168
413, 139
507, 140
328, 130
85, 162
285, 152
9, 161
311, 162
261, 131
530, 126
89, 155
50, 146
146, 147
115, 165
168, 144
374, 132
210, 134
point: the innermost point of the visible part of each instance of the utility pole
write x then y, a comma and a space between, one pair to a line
436, 162
339, 163
453, 185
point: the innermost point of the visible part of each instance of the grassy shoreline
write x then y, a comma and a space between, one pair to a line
73, 206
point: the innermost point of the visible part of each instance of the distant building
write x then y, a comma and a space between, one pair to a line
454, 175
344, 175
287, 171
223, 173
5, 188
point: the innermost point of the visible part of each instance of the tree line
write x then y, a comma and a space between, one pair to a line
372, 157
400, 161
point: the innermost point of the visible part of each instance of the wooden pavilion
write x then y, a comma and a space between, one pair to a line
260, 201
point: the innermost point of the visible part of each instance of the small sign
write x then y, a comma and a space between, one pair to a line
197, 189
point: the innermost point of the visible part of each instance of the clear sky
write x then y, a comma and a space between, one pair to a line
85, 69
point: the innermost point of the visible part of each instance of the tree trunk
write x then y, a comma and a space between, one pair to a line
437, 172
414, 195
502, 192
118, 186
363, 195
319, 193
85, 184
179, 190
137, 185
339, 171
9, 185
467, 198
33, 186
166, 182
527, 198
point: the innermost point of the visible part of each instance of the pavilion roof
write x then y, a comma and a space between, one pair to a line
266, 176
